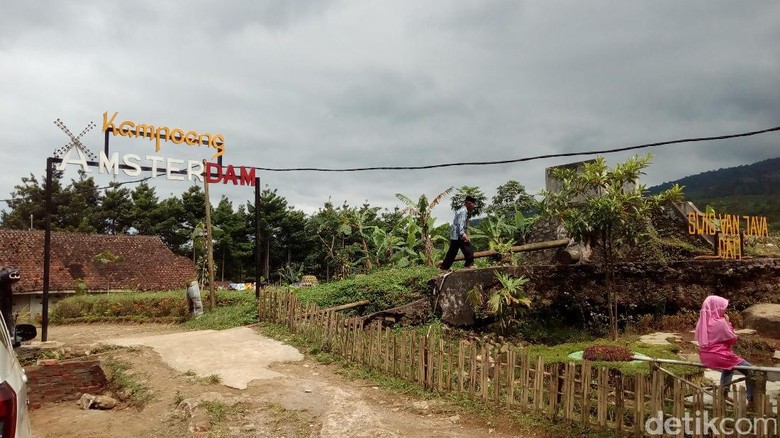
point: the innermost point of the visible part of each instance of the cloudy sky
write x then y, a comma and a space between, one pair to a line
337, 84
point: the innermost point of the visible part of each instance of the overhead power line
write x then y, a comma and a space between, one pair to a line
518, 160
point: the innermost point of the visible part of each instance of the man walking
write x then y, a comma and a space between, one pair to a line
459, 239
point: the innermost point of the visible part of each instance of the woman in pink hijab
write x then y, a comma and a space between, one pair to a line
716, 337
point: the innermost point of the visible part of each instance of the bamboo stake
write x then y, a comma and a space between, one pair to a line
440, 368
525, 380
538, 384
497, 377
639, 406
483, 380
619, 394
510, 377
602, 402
553, 391
461, 365
472, 370
450, 358
586, 382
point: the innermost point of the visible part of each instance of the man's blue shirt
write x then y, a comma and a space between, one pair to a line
458, 226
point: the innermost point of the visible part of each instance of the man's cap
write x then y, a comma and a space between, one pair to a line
470, 199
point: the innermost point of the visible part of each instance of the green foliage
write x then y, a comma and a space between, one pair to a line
505, 303
291, 273
384, 288
234, 308
606, 208
124, 384
511, 198
460, 197
421, 212
560, 354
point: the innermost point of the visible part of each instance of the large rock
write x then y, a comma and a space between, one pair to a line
764, 319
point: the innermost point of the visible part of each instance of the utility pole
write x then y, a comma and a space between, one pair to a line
209, 243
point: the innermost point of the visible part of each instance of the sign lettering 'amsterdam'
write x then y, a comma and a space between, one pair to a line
730, 228
174, 169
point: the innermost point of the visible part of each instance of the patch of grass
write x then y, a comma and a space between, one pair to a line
177, 398
239, 313
560, 354
384, 288
221, 414
124, 385
165, 307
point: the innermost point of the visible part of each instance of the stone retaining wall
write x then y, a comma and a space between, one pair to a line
643, 288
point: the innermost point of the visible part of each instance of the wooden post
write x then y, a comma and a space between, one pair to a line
525, 377
450, 358
619, 394
553, 390
602, 400
473, 369
209, 243
483, 380
639, 405
461, 365
497, 376
586, 381
510, 377
440, 367
538, 384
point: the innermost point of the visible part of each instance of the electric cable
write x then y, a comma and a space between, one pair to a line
518, 160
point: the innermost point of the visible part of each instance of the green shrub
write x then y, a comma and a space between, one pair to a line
168, 306
384, 288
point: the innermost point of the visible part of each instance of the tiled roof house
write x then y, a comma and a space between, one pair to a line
145, 262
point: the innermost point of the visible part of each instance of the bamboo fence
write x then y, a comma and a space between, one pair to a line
508, 376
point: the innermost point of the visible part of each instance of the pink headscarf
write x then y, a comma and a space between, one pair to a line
712, 327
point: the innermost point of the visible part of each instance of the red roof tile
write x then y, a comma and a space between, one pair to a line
146, 262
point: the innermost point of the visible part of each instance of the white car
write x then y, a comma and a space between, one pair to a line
14, 418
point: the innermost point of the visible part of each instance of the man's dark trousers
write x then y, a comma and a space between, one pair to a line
464, 247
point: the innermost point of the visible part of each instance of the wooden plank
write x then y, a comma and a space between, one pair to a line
678, 403
602, 402
510, 377
483, 374
552, 390
461, 366
429, 365
525, 379
412, 354
496, 383
639, 405
402, 354
586, 385
450, 360
538, 385
571, 387
440, 366
421, 360
472, 369
619, 404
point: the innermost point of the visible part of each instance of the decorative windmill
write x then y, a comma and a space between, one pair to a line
75, 141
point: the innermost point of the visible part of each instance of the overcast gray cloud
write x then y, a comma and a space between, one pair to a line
372, 83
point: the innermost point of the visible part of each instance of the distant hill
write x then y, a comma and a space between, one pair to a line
752, 189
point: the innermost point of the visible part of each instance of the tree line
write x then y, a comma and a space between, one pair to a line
334, 242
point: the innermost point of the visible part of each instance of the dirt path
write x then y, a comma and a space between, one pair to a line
302, 398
